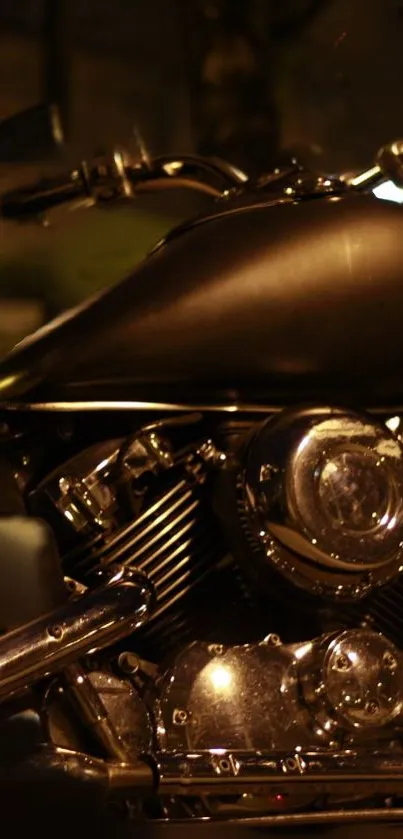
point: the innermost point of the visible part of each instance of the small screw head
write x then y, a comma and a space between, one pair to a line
55, 632
291, 764
224, 765
216, 649
342, 663
273, 640
372, 708
389, 661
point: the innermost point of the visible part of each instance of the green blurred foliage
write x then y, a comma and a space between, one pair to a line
68, 263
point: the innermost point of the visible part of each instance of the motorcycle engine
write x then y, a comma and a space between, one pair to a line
275, 549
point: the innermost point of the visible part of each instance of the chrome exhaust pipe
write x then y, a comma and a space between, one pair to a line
77, 628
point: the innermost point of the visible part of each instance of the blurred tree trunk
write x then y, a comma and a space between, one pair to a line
56, 58
231, 81
233, 48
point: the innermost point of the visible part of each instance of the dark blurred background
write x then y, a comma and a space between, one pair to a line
244, 79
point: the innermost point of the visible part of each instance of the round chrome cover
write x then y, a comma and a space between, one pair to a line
323, 494
363, 677
356, 676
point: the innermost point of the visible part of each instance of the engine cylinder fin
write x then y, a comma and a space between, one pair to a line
82, 558
152, 535
383, 612
152, 560
177, 543
128, 536
386, 624
392, 596
122, 534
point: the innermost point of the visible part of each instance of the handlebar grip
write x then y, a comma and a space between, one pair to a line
38, 198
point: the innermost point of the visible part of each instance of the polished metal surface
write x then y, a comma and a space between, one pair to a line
81, 493
84, 490
169, 407
143, 502
133, 405
106, 179
191, 331
187, 775
62, 771
271, 313
81, 626
364, 180
49, 764
353, 679
348, 772
388, 166
212, 688
235, 698
209, 171
363, 674
110, 178
271, 696
322, 491
107, 706
92, 712
308, 184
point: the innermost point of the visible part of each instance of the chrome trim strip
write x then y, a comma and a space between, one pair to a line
135, 405
93, 621
130, 405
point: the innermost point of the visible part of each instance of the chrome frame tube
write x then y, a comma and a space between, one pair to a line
80, 627
220, 773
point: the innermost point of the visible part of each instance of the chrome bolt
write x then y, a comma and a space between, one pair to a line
216, 649
128, 663
389, 661
224, 765
372, 708
64, 485
267, 472
180, 716
55, 632
342, 663
291, 764
273, 640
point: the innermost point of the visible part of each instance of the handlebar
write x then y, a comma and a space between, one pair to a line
114, 177
111, 178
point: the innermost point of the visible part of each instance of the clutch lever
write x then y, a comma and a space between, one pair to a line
109, 179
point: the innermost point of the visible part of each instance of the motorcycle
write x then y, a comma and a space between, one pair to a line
202, 511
